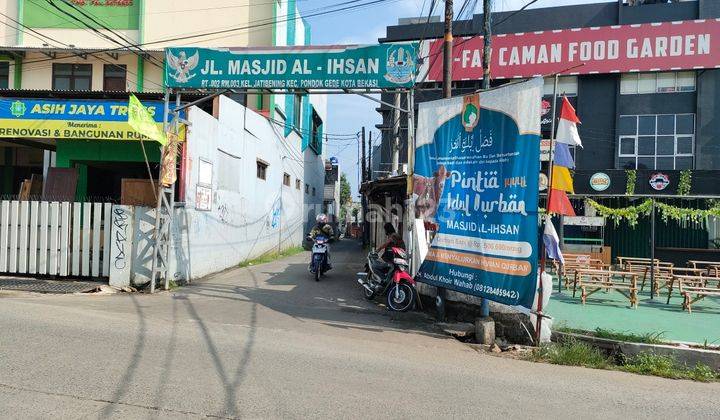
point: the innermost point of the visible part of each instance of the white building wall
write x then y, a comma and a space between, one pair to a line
244, 221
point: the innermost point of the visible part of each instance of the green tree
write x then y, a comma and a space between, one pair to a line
344, 195
344, 190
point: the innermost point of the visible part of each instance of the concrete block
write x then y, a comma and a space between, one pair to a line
457, 329
485, 330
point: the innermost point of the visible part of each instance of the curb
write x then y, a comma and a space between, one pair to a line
688, 356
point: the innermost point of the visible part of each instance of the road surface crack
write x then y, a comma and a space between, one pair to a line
103, 401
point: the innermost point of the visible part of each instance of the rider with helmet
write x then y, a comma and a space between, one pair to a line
322, 228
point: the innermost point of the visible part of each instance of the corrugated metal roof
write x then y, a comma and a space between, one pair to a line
89, 94
77, 49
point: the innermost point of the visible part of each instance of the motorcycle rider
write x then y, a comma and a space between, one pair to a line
394, 240
322, 228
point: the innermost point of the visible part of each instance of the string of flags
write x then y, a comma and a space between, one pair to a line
562, 182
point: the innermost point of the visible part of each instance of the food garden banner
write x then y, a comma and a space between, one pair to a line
476, 182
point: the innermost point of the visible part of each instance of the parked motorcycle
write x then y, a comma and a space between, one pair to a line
389, 279
319, 260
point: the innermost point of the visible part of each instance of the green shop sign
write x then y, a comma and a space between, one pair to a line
375, 66
115, 14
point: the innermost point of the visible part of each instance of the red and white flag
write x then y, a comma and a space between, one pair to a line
567, 126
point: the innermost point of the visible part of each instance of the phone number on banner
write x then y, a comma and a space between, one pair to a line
497, 291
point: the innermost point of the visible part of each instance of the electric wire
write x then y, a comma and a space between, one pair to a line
262, 23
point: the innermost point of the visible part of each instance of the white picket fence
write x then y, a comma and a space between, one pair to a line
52, 238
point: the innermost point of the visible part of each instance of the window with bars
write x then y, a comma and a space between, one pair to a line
115, 77
297, 184
261, 169
664, 82
4, 74
664, 141
567, 85
286, 179
67, 76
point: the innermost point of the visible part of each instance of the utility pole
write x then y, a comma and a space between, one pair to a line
396, 135
487, 42
487, 54
447, 50
370, 170
447, 93
363, 199
362, 159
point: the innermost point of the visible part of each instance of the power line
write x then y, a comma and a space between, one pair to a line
104, 26
263, 23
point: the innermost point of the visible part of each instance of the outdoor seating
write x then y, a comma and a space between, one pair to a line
573, 262
694, 285
591, 280
712, 268
661, 277
641, 266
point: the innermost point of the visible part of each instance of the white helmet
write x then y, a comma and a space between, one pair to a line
321, 218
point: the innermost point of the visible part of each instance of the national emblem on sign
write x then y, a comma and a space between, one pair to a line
400, 67
182, 65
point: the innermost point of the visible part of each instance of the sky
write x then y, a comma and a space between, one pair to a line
347, 114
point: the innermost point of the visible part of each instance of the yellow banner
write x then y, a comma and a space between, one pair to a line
142, 121
76, 130
561, 179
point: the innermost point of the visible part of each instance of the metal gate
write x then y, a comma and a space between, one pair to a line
53, 238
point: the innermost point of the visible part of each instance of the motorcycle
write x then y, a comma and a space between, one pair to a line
389, 279
319, 261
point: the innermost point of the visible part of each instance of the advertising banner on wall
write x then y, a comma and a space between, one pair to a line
113, 14
606, 49
476, 180
362, 67
84, 119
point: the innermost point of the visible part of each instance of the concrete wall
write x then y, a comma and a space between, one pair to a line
8, 33
248, 216
38, 74
166, 19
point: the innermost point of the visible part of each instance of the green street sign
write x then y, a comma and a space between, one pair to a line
363, 67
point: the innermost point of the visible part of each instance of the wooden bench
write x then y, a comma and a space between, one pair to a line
591, 281
695, 285
622, 261
662, 277
682, 271
712, 268
574, 262
641, 266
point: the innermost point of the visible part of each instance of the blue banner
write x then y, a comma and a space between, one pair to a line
85, 119
476, 184
73, 109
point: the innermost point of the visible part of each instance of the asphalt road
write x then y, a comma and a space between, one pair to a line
267, 341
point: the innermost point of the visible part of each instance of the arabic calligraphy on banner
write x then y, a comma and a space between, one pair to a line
477, 164
72, 119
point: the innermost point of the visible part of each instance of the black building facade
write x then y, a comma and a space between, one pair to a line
664, 121
660, 121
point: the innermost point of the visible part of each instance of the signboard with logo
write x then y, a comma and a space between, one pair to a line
600, 181
659, 181
606, 49
583, 221
71, 119
547, 112
374, 66
476, 181
115, 14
